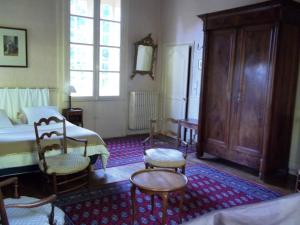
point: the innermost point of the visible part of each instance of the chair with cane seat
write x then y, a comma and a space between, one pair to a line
26, 210
65, 169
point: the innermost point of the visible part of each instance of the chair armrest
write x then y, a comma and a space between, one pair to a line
44, 201
35, 204
84, 141
12, 180
9, 181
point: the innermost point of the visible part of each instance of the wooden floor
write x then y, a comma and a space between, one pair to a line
31, 184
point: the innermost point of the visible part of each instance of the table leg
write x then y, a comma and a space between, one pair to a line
191, 136
152, 203
133, 202
181, 204
179, 134
165, 206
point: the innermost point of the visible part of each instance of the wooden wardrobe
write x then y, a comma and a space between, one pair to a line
249, 82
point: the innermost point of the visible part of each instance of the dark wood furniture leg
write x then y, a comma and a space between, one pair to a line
164, 197
152, 203
181, 204
132, 190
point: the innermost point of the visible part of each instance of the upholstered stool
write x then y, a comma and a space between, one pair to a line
164, 158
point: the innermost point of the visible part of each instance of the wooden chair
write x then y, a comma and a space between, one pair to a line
65, 168
26, 210
162, 148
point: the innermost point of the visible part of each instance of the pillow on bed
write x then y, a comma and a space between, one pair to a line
34, 114
4, 120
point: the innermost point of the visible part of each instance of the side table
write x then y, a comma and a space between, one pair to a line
191, 124
158, 182
74, 115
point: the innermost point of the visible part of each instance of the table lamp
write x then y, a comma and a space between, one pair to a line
70, 89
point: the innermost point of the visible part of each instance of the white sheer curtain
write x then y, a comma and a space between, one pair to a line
13, 100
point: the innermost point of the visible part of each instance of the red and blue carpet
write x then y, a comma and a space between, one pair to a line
208, 189
125, 150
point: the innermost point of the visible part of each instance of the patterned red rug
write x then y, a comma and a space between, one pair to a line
125, 150
208, 189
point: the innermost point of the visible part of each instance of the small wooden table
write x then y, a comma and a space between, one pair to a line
74, 115
158, 182
191, 124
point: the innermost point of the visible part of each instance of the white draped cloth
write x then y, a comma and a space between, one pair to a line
281, 211
13, 100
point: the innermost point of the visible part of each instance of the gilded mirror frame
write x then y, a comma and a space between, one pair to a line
148, 42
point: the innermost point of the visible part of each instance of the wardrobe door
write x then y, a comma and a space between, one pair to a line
219, 55
250, 91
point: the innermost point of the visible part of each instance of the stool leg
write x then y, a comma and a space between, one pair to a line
165, 206
181, 204
152, 203
133, 202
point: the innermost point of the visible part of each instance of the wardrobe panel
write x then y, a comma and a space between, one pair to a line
218, 86
255, 48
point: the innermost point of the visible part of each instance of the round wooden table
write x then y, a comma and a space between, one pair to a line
158, 182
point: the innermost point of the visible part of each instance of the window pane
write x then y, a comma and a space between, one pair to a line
109, 84
81, 30
109, 33
81, 57
109, 59
82, 7
110, 10
83, 83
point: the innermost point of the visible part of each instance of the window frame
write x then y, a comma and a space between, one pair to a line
96, 51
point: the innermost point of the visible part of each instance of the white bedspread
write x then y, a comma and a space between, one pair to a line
281, 211
25, 133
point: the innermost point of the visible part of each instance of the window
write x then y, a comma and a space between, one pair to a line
95, 47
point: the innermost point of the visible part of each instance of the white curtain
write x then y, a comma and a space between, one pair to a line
13, 100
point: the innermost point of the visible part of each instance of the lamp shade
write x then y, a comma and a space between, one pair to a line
70, 89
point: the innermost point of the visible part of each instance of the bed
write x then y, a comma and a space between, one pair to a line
281, 211
18, 151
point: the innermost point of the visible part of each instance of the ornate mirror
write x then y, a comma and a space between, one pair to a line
144, 58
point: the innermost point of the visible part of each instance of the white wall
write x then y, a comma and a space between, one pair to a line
40, 19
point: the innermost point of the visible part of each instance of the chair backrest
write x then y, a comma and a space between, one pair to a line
168, 126
46, 136
14, 180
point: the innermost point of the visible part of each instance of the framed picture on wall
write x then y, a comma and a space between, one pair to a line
13, 47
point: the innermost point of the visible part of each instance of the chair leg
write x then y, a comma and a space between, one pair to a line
54, 183
88, 176
183, 170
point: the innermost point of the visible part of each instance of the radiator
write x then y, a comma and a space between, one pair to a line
142, 108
